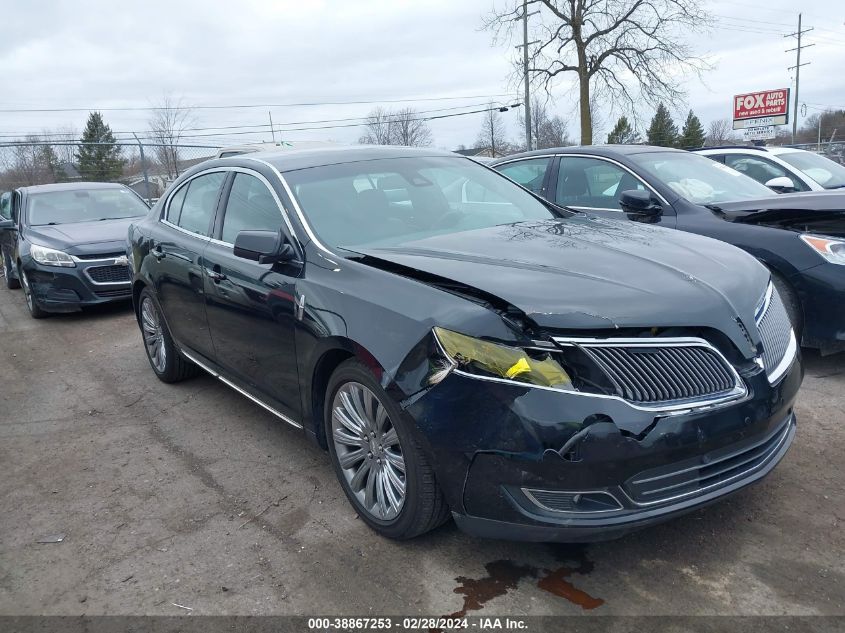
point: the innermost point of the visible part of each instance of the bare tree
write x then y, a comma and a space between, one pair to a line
32, 162
720, 132
623, 50
492, 136
402, 127
409, 129
546, 131
170, 118
378, 128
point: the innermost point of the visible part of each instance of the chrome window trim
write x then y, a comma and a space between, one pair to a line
788, 427
528, 493
311, 235
621, 166
229, 383
245, 170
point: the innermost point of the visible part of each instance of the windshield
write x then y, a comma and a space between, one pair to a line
386, 202
699, 179
83, 205
824, 171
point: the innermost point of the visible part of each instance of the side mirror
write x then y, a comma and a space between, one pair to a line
781, 184
264, 247
6, 225
641, 204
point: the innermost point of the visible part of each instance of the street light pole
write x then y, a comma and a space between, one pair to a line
524, 47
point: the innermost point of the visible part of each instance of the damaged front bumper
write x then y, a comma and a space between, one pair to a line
523, 463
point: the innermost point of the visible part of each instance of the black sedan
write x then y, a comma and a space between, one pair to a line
536, 373
800, 237
66, 244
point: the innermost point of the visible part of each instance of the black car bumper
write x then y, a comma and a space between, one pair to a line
67, 289
539, 465
822, 293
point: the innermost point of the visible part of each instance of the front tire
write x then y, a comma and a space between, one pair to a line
35, 310
166, 360
11, 282
380, 466
791, 302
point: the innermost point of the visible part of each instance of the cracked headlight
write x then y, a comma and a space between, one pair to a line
832, 250
492, 360
50, 256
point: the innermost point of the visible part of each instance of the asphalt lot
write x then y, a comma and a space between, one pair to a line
191, 495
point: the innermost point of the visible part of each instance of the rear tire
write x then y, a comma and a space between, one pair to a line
791, 302
11, 282
166, 360
381, 457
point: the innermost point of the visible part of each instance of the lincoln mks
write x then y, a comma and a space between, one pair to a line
463, 348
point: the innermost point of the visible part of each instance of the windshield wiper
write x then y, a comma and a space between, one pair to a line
713, 207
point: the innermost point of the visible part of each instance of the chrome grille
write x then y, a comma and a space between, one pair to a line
664, 372
775, 331
108, 274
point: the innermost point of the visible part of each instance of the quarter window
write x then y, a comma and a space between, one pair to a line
593, 183
251, 207
200, 203
529, 173
6, 205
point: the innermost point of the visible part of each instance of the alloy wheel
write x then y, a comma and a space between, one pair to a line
153, 335
368, 451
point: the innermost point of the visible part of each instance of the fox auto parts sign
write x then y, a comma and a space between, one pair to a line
772, 105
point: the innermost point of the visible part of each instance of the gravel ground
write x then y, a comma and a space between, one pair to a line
191, 495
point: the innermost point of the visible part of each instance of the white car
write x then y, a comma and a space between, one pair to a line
782, 169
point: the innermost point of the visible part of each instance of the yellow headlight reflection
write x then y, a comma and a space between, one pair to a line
502, 361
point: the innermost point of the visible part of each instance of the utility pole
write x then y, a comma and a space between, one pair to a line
797, 68
524, 47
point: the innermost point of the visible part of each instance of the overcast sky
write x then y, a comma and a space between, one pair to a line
116, 55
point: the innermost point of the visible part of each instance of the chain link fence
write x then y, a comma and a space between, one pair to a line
147, 168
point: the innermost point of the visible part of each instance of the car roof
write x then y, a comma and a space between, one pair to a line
71, 186
596, 150
290, 160
766, 149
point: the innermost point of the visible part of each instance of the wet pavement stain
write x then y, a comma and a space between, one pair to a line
504, 576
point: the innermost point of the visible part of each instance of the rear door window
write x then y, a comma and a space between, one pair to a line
530, 173
200, 203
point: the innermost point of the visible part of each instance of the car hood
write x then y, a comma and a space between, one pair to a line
586, 272
820, 212
83, 238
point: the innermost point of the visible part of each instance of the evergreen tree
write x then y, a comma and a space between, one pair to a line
692, 134
623, 133
662, 130
99, 158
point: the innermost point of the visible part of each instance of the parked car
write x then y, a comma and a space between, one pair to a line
541, 374
251, 148
66, 244
782, 169
800, 237
6, 243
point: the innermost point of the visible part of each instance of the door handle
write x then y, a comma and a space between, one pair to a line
215, 275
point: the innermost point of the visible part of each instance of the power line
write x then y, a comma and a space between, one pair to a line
261, 127
251, 105
323, 127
